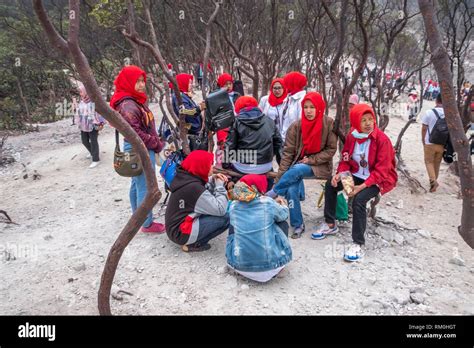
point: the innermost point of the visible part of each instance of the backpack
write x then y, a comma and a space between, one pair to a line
219, 110
439, 134
448, 154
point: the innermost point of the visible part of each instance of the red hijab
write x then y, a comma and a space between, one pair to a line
125, 85
273, 99
245, 102
259, 181
223, 79
312, 129
356, 114
198, 163
295, 82
183, 81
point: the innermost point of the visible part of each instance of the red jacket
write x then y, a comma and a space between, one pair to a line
381, 161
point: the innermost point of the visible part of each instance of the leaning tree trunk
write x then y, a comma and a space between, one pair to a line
71, 50
456, 132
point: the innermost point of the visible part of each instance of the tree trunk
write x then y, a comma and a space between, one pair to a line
458, 136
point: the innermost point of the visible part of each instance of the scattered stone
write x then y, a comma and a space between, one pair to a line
424, 233
418, 297
417, 289
221, 270
48, 237
401, 297
244, 287
457, 260
398, 238
117, 199
79, 268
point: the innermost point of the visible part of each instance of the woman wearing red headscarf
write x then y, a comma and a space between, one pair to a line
368, 154
273, 105
257, 245
193, 112
294, 82
309, 148
196, 210
129, 100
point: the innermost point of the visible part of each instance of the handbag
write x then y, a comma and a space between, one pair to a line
219, 111
170, 166
128, 163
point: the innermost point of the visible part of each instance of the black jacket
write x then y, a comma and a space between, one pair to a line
252, 130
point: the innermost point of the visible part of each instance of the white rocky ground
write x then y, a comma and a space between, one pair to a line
52, 261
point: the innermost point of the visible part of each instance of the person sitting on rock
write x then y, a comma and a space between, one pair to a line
369, 155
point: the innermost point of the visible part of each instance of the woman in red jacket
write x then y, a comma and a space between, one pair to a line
129, 100
368, 154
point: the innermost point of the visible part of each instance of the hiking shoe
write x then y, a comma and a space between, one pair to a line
195, 248
94, 164
298, 232
155, 227
353, 253
324, 230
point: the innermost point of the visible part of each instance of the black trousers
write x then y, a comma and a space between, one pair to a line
89, 139
359, 209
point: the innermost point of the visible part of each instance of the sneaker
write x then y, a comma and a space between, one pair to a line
324, 230
94, 164
353, 253
195, 248
298, 232
155, 227
89, 156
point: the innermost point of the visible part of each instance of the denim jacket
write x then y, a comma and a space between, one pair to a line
257, 244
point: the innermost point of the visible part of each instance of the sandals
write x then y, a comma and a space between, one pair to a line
195, 248
298, 232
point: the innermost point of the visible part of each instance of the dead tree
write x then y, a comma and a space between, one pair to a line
70, 49
458, 137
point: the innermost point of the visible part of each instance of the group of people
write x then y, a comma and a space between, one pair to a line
432, 90
288, 124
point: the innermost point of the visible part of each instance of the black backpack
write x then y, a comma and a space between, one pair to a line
238, 85
219, 110
439, 134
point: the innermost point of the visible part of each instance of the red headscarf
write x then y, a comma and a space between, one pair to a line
170, 66
223, 79
125, 85
273, 99
183, 81
245, 102
259, 181
312, 129
295, 82
198, 163
356, 116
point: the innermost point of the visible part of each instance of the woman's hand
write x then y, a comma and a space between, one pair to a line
220, 177
280, 201
335, 179
305, 160
202, 106
357, 189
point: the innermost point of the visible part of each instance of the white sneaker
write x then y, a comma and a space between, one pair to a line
324, 230
89, 156
353, 253
94, 164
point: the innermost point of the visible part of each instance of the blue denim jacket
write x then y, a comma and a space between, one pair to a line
257, 244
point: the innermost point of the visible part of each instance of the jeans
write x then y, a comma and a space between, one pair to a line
210, 227
138, 186
359, 210
291, 186
89, 140
282, 224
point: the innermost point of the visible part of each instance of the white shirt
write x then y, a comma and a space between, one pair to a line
429, 119
273, 112
261, 277
293, 113
362, 149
